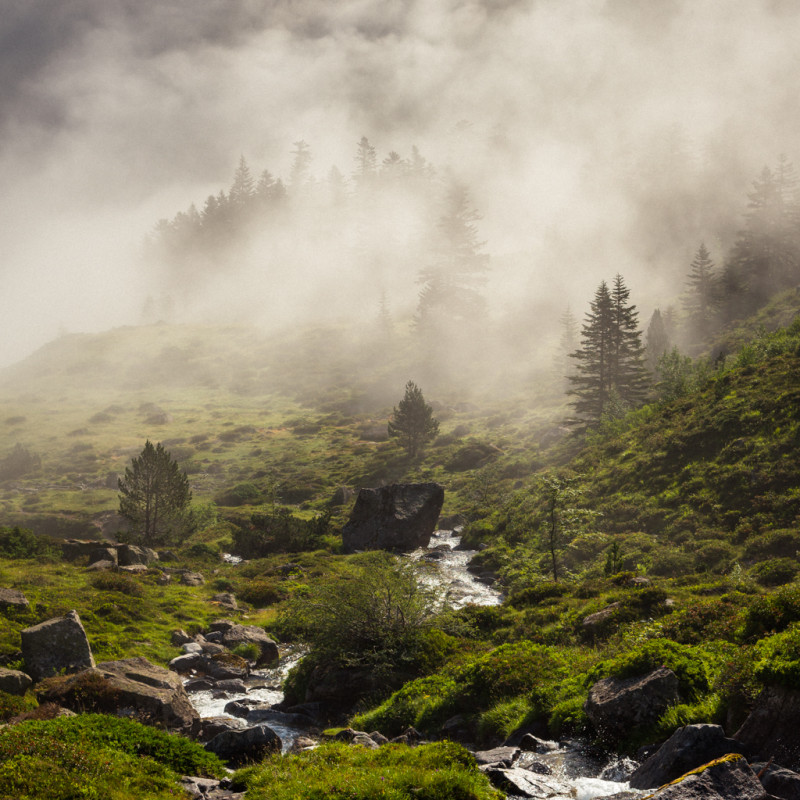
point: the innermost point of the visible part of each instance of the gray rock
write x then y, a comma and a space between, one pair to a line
533, 744
221, 625
187, 662
771, 729
179, 637
726, 779
134, 569
778, 781
211, 726
504, 756
301, 721
12, 681
252, 634
103, 554
227, 600
522, 783
130, 554
13, 598
593, 624
192, 647
209, 789
56, 646
617, 706
233, 685
241, 747
225, 666
192, 579
400, 517
163, 579
688, 748
130, 687
101, 566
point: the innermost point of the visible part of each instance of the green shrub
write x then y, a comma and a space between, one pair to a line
533, 595
775, 572
774, 544
688, 663
336, 771
249, 651
567, 717
779, 658
261, 593
117, 582
772, 612
11, 705
19, 542
98, 758
240, 495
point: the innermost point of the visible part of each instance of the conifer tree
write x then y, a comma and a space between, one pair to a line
700, 299
657, 340
412, 421
610, 375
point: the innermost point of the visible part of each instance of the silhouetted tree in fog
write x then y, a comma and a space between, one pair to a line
412, 421
700, 300
656, 341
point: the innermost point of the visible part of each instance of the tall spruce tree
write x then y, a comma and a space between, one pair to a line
412, 421
700, 298
610, 375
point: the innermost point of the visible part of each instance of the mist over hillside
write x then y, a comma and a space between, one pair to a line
593, 137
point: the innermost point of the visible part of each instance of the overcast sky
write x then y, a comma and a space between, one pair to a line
115, 113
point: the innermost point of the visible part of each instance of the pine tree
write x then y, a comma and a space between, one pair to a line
628, 374
657, 340
366, 163
154, 496
450, 283
412, 421
700, 299
243, 187
301, 163
610, 376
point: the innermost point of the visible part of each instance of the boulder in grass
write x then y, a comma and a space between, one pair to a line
56, 646
13, 598
237, 635
400, 517
130, 554
130, 687
771, 729
12, 681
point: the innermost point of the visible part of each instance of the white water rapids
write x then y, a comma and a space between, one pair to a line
583, 774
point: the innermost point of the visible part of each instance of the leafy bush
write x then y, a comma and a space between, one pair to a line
779, 658
278, 532
261, 593
772, 612
776, 571
11, 705
336, 771
534, 595
21, 543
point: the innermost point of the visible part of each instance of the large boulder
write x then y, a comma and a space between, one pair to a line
688, 748
728, 778
131, 687
12, 681
771, 729
617, 706
400, 517
130, 554
237, 635
241, 747
778, 781
55, 646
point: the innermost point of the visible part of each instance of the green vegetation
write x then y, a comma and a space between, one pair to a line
335, 771
96, 756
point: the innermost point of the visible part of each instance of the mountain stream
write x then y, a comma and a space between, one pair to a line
574, 766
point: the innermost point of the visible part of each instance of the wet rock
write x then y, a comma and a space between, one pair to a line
240, 708
688, 748
499, 756
186, 663
257, 715
240, 747
533, 744
724, 779
209, 789
13, 598
400, 517
13, 681
234, 686
778, 781
302, 743
211, 726
771, 729
131, 687
198, 685
56, 646
617, 706
522, 783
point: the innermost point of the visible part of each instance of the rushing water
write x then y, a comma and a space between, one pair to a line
582, 772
